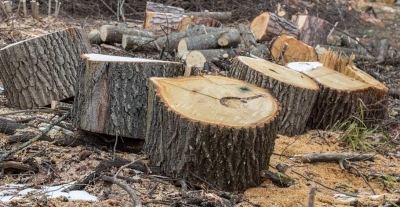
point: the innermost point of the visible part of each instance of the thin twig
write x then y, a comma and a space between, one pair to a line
363, 177
35, 139
127, 188
108, 7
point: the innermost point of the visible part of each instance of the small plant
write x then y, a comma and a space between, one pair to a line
357, 135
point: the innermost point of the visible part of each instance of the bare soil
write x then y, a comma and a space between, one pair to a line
66, 164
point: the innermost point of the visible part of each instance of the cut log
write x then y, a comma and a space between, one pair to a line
162, 23
9, 126
187, 21
339, 97
112, 93
285, 49
94, 37
211, 128
312, 30
230, 38
39, 70
248, 39
219, 16
268, 25
201, 42
197, 58
113, 34
130, 42
157, 7
295, 92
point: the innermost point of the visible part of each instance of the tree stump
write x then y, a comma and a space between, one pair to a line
213, 128
268, 25
39, 70
339, 97
111, 93
285, 49
295, 92
162, 23
312, 30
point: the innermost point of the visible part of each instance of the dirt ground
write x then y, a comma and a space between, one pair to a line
376, 183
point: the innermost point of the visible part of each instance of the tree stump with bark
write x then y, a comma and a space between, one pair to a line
285, 49
111, 95
217, 129
295, 92
339, 97
267, 26
312, 30
39, 70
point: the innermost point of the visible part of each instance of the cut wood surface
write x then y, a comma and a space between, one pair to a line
312, 30
230, 38
39, 70
162, 23
192, 120
158, 7
113, 34
375, 101
112, 93
295, 92
136, 43
268, 25
197, 58
339, 97
207, 22
94, 37
287, 49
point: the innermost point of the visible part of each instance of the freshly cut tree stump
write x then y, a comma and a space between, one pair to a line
312, 30
113, 34
111, 95
138, 43
217, 129
197, 58
162, 23
295, 92
339, 97
157, 7
287, 49
268, 25
39, 70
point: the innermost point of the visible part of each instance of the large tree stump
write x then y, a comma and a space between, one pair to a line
214, 128
112, 93
312, 30
36, 71
295, 92
268, 25
285, 49
339, 97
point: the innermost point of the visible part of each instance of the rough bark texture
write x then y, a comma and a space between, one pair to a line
112, 94
9, 126
219, 16
201, 42
113, 34
157, 7
230, 38
248, 39
197, 58
312, 30
228, 157
285, 49
296, 101
338, 99
36, 71
130, 42
268, 25
162, 23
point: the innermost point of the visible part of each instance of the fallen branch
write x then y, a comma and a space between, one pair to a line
335, 157
279, 179
9, 126
33, 140
17, 165
126, 187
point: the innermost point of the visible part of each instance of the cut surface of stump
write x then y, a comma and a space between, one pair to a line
112, 93
287, 49
39, 70
339, 97
220, 129
295, 92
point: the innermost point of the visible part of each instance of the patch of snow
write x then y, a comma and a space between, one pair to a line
17, 191
303, 66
